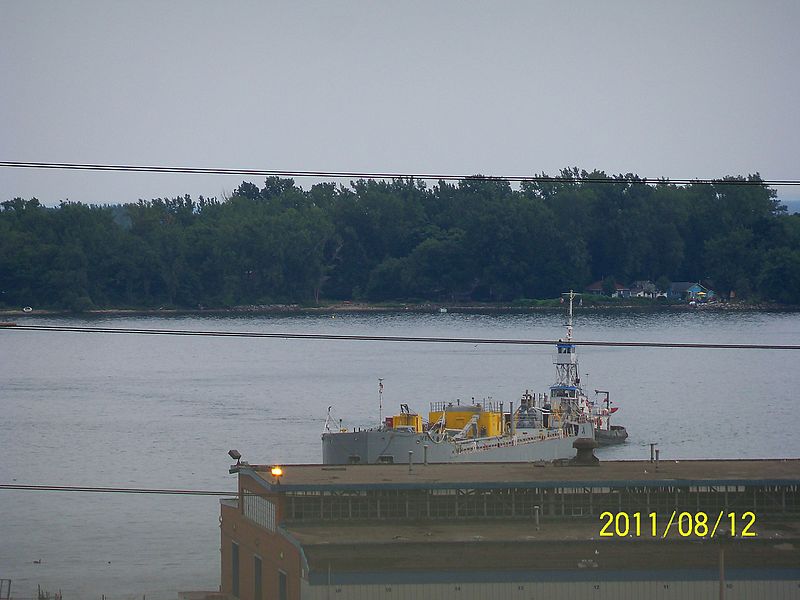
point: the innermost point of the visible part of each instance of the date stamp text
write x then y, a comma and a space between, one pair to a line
684, 524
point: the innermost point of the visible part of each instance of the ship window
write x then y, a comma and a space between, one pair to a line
260, 510
354, 459
386, 459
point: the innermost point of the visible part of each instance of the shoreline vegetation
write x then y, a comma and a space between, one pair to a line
591, 304
478, 244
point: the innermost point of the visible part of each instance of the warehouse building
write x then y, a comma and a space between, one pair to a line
511, 530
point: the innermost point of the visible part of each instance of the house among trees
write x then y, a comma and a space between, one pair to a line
643, 289
604, 287
690, 291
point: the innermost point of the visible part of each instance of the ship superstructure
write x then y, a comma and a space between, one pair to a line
567, 393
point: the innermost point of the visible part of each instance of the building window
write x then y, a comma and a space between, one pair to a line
257, 588
259, 510
235, 569
283, 589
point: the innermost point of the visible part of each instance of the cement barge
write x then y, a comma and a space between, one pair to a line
543, 427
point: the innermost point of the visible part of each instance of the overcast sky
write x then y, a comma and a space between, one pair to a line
676, 89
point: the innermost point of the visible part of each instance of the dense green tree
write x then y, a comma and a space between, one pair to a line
780, 278
736, 260
438, 268
476, 239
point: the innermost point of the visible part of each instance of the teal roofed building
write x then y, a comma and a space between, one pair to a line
690, 291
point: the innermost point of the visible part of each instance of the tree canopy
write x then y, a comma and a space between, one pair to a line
476, 239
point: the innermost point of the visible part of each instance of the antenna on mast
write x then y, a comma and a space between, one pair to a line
569, 318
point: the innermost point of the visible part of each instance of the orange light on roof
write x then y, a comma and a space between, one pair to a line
276, 471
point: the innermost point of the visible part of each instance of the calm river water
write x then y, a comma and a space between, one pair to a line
163, 411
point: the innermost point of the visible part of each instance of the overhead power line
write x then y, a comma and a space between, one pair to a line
388, 338
112, 490
379, 175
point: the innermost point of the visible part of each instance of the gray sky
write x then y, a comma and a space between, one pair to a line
676, 89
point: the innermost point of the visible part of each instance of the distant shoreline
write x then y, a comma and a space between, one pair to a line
423, 307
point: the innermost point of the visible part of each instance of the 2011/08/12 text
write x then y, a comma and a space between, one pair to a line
685, 524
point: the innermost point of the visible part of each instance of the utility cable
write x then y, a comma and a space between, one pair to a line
113, 490
21, 487
386, 175
390, 338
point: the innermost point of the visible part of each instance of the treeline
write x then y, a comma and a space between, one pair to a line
477, 239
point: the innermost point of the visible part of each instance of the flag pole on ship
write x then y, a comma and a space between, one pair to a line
380, 401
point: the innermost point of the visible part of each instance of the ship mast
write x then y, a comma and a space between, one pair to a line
566, 357
569, 318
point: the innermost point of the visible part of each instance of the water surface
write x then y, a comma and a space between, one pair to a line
163, 411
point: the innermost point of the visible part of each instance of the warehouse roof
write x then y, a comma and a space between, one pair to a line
316, 477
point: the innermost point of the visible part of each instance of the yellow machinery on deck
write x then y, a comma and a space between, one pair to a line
406, 419
475, 420
487, 418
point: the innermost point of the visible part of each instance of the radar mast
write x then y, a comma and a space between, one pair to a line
566, 360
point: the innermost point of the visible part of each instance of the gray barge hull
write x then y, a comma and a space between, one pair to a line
393, 446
